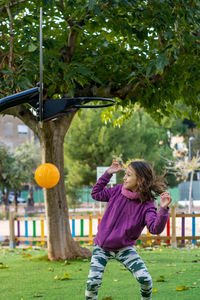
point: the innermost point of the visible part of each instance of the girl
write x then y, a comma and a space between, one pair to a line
130, 208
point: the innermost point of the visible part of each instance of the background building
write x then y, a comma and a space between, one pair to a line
13, 132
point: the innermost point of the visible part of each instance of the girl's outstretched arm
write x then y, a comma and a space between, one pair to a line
100, 192
156, 222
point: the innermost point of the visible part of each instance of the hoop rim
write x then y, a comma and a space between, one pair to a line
88, 99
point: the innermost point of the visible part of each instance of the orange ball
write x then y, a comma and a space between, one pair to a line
47, 175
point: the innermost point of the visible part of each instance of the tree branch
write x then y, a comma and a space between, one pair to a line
127, 91
68, 51
11, 4
62, 5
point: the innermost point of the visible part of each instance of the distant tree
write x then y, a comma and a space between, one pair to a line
184, 168
27, 157
17, 168
6, 173
183, 127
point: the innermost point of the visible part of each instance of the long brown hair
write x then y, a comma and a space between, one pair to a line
148, 185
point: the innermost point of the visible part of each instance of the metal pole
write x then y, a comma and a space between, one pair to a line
12, 229
189, 154
191, 174
41, 69
190, 148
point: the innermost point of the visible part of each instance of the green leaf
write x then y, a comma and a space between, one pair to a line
151, 68
97, 11
123, 268
32, 47
65, 276
3, 266
91, 4
168, 35
84, 71
160, 279
161, 62
65, 263
182, 288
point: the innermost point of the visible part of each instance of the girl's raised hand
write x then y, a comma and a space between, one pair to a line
165, 199
115, 167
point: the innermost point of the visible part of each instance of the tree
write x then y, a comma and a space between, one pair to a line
6, 173
144, 52
183, 168
139, 137
17, 168
27, 157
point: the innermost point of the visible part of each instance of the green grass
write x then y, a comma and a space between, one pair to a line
30, 276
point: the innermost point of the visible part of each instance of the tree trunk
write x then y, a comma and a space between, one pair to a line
60, 242
30, 200
6, 203
15, 201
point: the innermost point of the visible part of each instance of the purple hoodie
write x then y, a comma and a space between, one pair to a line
124, 219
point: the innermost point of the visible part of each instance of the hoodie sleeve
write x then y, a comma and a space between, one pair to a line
99, 191
156, 222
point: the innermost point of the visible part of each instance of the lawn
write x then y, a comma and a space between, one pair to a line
27, 274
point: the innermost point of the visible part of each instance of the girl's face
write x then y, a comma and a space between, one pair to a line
130, 179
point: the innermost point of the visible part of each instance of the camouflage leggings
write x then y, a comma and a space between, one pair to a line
129, 257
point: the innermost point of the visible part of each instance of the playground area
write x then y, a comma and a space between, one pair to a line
106, 94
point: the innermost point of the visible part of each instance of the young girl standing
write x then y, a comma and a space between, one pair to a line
130, 208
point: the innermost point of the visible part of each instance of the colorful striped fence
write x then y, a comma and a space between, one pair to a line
171, 237
28, 236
